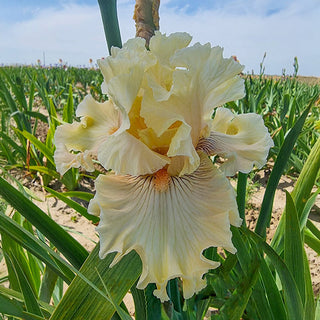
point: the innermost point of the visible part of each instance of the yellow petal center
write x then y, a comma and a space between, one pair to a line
139, 130
232, 130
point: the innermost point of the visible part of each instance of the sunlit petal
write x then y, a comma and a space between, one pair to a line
98, 121
169, 221
160, 118
133, 54
159, 76
125, 154
243, 140
163, 47
217, 77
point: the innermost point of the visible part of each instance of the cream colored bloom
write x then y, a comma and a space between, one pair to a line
242, 140
165, 198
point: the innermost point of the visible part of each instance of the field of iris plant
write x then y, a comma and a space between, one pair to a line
261, 281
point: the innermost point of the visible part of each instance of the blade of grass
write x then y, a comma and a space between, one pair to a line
11, 307
37, 115
68, 109
76, 206
88, 283
45, 170
307, 208
48, 283
301, 192
283, 156
236, 304
30, 299
48, 153
32, 244
12, 294
307, 178
247, 255
13, 144
86, 196
122, 314
139, 302
67, 245
309, 306
77, 303
292, 297
293, 246
272, 291
241, 195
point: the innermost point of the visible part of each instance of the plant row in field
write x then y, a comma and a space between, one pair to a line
33, 97
260, 282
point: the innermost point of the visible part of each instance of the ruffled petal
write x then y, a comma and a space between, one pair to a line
163, 47
242, 139
98, 121
125, 154
217, 78
169, 221
123, 89
65, 160
158, 116
133, 54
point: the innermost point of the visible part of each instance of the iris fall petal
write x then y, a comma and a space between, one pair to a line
169, 223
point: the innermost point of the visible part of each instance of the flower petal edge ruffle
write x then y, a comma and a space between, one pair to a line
168, 229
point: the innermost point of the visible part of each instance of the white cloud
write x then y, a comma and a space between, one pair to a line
290, 32
246, 29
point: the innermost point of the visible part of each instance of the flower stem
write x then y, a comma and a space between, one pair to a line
146, 16
241, 195
108, 9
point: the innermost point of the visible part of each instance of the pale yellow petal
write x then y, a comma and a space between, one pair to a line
65, 160
163, 47
123, 89
169, 227
215, 79
181, 145
76, 142
243, 140
133, 53
125, 154
160, 76
159, 117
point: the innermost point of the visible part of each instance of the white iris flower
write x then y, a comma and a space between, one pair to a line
165, 198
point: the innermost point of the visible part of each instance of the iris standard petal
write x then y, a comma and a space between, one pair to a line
132, 54
158, 116
214, 79
163, 47
169, 221
98, 121
243, 140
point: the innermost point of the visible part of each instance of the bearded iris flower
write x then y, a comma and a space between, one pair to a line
164, 197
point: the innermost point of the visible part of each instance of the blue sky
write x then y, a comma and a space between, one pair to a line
72, 30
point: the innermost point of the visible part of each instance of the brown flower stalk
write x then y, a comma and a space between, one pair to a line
146, 16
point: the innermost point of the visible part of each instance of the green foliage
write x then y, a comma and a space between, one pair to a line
262, 281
